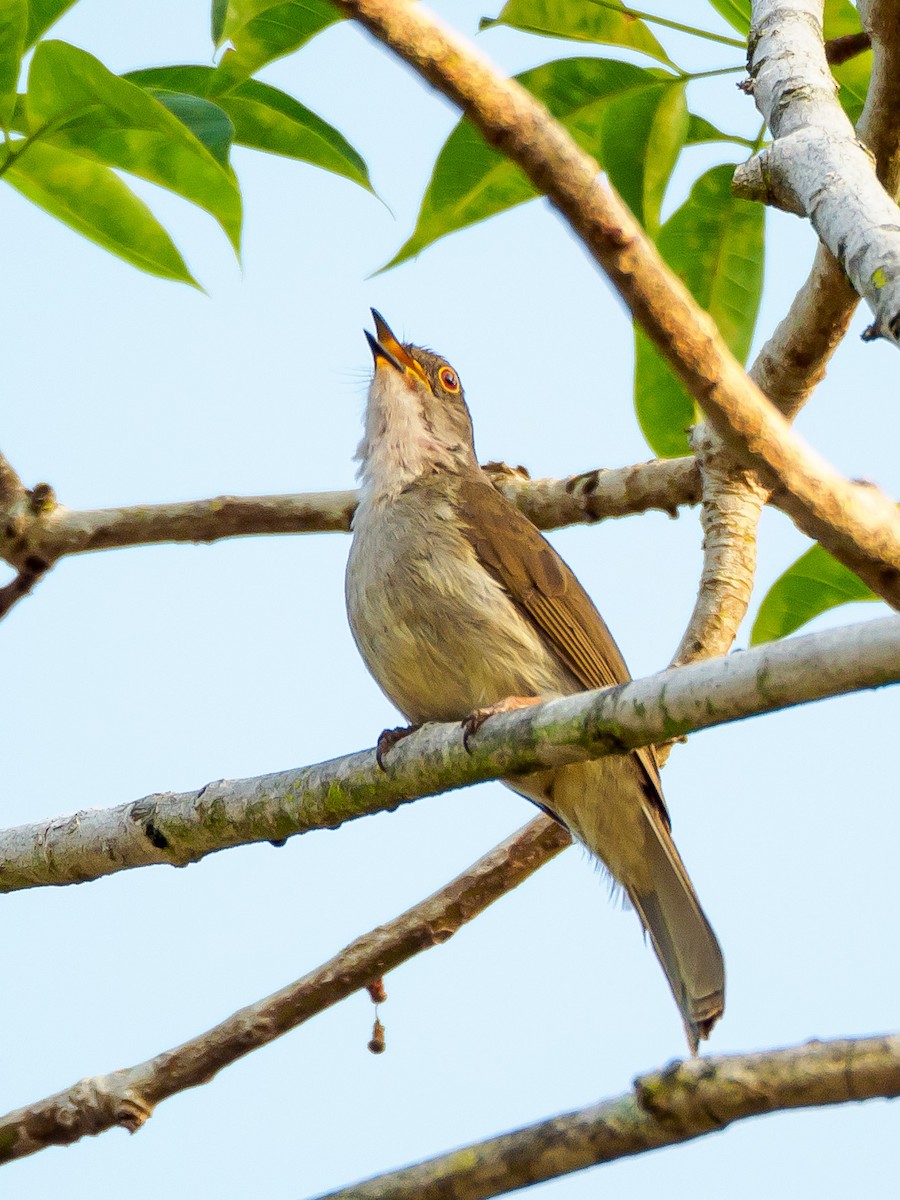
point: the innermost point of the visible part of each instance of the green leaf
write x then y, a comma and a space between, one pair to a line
700, 130
815, 583
41, 15
265, 118
218, 13
208, 122
735, 12
472, 181
18, 120
839, 19
653, 122
268, 119
13, 24
714, 242
74, 102
608, 23
94, 201
840, 16
260, 31
853, 77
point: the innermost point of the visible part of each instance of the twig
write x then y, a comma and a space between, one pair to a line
183, 828
684, 1101
128, 1097
841, 49
22, 585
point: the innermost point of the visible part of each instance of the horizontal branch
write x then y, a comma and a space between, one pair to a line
683, 1101
54, 531
181, 828
128, 1097
664, 484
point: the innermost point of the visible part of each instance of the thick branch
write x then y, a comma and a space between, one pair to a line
816, 166
859, 525
683, 1101
129, 1096
182, 828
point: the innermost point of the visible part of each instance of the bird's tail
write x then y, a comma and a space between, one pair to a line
681, 935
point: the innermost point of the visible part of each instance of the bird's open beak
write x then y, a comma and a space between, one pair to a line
386, 349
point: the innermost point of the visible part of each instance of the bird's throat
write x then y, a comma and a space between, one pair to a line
397, 447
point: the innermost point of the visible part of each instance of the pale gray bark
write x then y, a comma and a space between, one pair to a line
816, 166
182, 828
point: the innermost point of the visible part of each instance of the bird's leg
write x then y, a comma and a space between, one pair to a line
388, 738
478, 716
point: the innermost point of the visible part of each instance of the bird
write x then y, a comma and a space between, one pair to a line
461, 608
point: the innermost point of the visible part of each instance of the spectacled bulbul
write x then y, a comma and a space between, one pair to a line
461, 608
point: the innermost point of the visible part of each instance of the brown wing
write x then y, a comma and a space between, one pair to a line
546, 590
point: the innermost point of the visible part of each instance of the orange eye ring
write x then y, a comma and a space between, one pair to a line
449, 379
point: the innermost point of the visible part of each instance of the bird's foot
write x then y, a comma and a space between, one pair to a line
388, 739
478, 716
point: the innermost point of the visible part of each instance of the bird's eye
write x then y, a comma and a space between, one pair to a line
448, 378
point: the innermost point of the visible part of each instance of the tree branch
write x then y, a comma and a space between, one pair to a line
53, 531
841, 49
858, 525
182, 828
816, 166
685, 1100
732, 500
788, 368
128, 1097
663, 484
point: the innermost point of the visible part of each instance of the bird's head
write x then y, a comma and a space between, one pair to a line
417, 421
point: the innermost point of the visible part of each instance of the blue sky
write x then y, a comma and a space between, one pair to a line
161, 668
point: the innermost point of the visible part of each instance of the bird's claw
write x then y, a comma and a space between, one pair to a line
478, 716
388, 738
473, 723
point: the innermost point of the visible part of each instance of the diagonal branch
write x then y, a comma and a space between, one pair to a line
182, 828
685, 1100
857, 524
128, 1097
